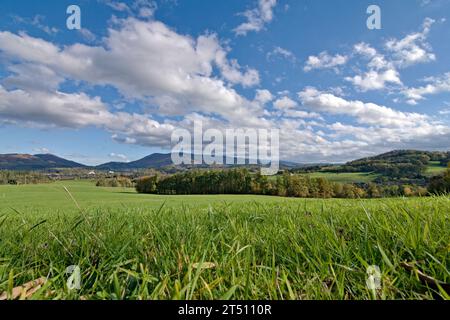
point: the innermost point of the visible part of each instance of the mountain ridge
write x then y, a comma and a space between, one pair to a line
24, 162
17, 161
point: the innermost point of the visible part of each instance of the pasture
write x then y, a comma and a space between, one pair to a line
345, 177
134, 246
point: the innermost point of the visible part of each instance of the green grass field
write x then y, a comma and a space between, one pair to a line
346, 177
434, 169
132, 246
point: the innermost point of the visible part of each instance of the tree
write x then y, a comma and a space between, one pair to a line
147, 184
440, 184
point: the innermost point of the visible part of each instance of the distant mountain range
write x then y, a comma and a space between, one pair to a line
26, 162
155, 161
35, 162
48, 161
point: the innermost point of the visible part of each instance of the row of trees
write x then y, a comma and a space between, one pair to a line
18, 177
394, 165
116, 182
241, 181
441, 184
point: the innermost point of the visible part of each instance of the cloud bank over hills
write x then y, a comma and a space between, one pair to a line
165, 79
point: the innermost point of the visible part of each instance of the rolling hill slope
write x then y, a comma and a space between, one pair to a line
35, 162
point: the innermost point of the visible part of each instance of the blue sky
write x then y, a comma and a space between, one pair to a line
137, 70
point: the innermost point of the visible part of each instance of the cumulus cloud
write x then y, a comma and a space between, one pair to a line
189, 82
29, 76
180, 79
285, 103
119, 156
263, 96
87, 35
435, 85
413, 48
172, 74
289, 109
257, 18
281, 52
380, 128
325, 61
139, 8
77, 110
365, 113
38, 22
42, 150
400, 53
54, 109
381, 72
375, 80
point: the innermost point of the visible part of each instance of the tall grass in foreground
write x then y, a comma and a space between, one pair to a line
296, 250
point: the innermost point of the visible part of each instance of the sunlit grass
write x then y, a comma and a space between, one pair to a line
434, 169
156, 247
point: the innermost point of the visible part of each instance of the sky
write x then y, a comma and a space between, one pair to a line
117, 88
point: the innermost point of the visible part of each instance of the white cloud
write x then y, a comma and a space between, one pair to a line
413, 48
285, 103
185, 78
256, 18
375, 80
289, 109
230, 69
172, 74
41, 150
365, 113
435, 85
300, 114
380, 128
119, 156
77, 110
38, 22
381, 72
116, 5
52, 109
377, 61
324, 61
29, 76
187, 64
263, 96
281, 52
365, 49
87, 34
139, 8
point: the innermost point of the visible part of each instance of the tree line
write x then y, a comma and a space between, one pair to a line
440, 184
392, 166
19, 177
116, 182
242, 181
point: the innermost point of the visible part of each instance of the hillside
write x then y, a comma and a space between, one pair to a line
399, 166
155, 161
400, 163
35, 162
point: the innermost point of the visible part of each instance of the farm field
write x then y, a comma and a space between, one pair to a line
347, 177
53, 196
134, 246
434, 169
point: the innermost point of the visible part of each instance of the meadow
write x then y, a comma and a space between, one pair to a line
136, 246
346, 177
434, 168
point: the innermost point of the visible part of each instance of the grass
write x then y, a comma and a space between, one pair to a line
131, 246
434, 169
38, 198
345, 177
